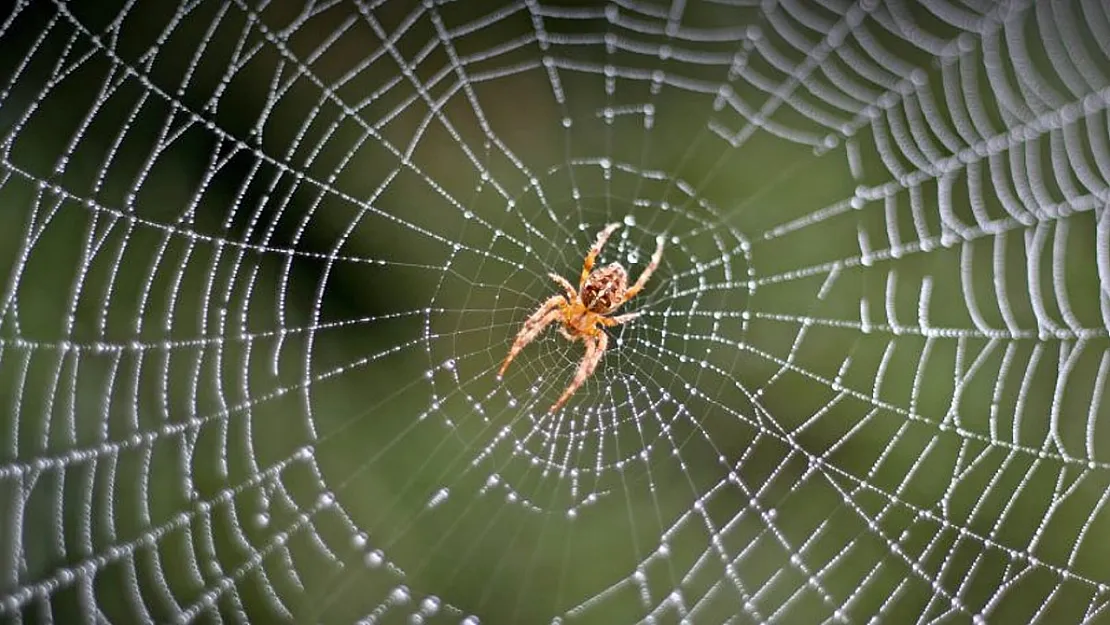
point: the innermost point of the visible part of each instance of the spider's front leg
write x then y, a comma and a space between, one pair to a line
595, 348
533, 325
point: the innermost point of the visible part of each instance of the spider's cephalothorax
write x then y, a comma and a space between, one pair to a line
583, 311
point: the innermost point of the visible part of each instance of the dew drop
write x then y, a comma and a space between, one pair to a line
430, 605
438, 498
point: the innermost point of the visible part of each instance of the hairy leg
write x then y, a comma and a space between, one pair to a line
595, 348
650, 269
567, 286
619, 319
532, 327
591, 257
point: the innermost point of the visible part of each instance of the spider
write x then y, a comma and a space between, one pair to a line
583, 312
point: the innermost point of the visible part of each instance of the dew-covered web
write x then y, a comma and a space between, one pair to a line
262, 262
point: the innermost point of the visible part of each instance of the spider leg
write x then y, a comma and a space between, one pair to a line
650, 269
619, 319
591, 257
563, 282
595, 348
533, 325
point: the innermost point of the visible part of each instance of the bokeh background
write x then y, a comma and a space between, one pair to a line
261, 262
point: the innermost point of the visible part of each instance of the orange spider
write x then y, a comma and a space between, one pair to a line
583, 311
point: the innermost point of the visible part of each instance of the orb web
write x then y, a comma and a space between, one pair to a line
262, 262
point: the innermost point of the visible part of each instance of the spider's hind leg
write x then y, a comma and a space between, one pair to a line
567, 286
591, 257
635, 289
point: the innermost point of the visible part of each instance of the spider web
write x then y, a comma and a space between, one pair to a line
263, 261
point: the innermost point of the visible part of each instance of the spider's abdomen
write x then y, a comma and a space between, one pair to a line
604, 288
